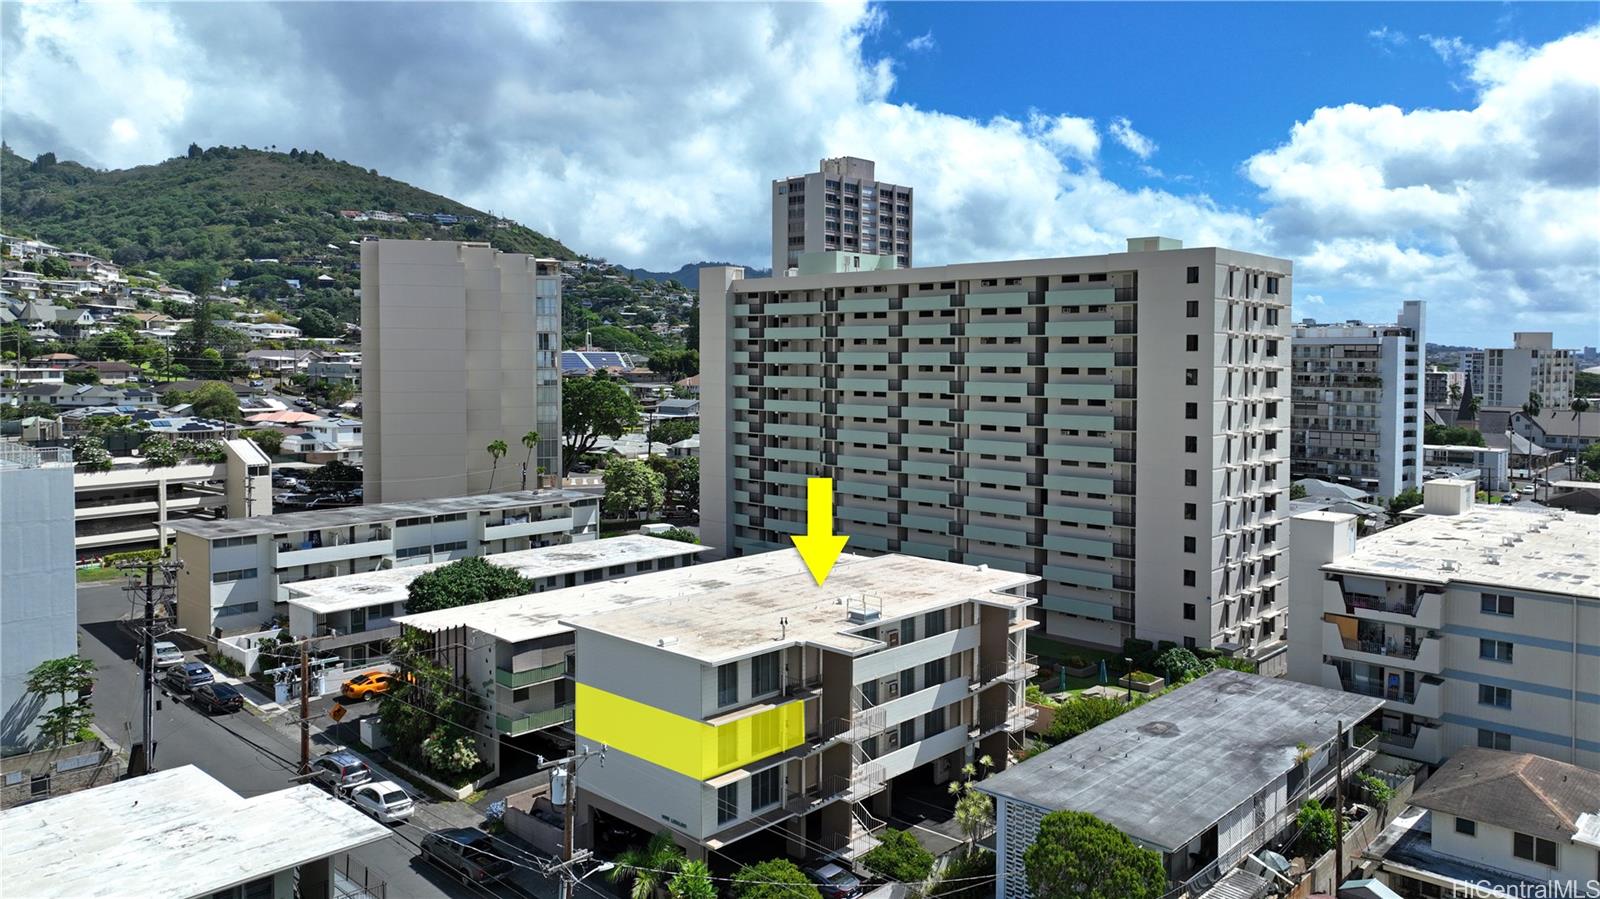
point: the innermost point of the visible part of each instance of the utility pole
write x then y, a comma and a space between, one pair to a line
1338, 807
148, 674
567, 868
305, 706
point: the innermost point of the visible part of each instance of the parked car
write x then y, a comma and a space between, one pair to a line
167, 654
367, 685
467, 853
384, 800
1570, 460
305, 403
340, 770
834, 882
1528, 489
215, 697
257, 382
184, 678
581, 468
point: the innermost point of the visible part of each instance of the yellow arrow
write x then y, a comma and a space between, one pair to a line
819, 547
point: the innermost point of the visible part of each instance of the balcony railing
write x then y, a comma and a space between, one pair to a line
1391, 648
514, 727
514, 679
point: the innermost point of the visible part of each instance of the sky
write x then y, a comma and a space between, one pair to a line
1434, 151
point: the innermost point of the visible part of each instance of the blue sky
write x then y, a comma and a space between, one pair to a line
1443, 152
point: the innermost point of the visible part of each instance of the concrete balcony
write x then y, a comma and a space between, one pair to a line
1426, 701
1424, 655
328, 639
531, 528
1423, 746
526, 724
543, 674
287, 558
868, 722
893, 660
893, 764
1426, 611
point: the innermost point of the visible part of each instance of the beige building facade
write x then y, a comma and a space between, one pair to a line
841, 206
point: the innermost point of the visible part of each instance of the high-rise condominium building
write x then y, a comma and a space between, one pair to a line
1115, 425
1530, 365
460, 347
841, 207
1477, 625
1358, 392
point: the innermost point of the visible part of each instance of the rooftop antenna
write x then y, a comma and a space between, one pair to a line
783, 628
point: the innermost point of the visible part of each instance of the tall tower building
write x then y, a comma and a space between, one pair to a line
38, 586
840, 207
460, 347
1358, 395
1116, 425
1531, 365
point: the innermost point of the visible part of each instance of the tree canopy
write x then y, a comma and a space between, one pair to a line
1078, 856
594, 407
899, 857
1442, 435
673, 430
776, 878
632, 486
334, 477
463, 583
70, 679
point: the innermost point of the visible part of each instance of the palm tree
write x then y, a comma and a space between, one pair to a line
496, 450
1580, 406
651, 867
1534, 405
529, 440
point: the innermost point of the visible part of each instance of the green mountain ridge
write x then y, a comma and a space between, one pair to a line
227, 205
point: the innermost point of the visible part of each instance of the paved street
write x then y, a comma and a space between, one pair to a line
255, 756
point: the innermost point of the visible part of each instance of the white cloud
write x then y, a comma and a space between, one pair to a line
1387, 38
1450, 49
1122, 132
1490, 209
922, 43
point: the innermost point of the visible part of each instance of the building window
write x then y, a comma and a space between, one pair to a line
933, 623
1191, 410
1190, 512
728, 683
908, 732
522, 694
1188, 544
1466, 827
1191, 377
1498, 604
1272, 285
1191, 309
727, 803
1191, 444
1188, 577
1188, 611
933, 673
1534, 849
39, 785
1191, 342
1191, 478
764, 674
224, 577
933, 722
1499, 697
1192, 276
764, 788
908, 630
908, 681
1494, 650
1494, 739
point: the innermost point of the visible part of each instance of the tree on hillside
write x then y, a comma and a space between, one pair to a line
1078, 856
611, 337
776, 878
463, 583
195, 152
674, 365
673, 430
631, 487
592, 408
317, 322
215, 400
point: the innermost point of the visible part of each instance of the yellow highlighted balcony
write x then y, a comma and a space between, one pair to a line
692, 748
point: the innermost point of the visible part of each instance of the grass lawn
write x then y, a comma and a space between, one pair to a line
1051, 652
98, 575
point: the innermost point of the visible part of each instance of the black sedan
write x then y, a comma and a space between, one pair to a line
216, 697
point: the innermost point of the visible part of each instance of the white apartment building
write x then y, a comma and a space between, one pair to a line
459, 348
1114, 425
1358, 398
234, 571
1491, 823
133, 506
1531, 365
764, 701
1477, 625
38, 589
841, 206
518, 650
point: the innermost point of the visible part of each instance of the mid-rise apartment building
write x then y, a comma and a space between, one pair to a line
1443, 387
764, 701
842, 206
38, 588
234, 571
1114, 425
460, 347
1531, 364
1358, 400
1477, 625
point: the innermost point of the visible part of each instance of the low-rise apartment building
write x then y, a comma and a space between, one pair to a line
761, 700
1358, 400
1491, 823
183, 834
1477, 625
1561, 430
1492, 463
1116, 425
234, 571
133, 506
1206, 775
355, 615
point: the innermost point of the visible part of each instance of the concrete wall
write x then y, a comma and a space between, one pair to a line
38, 590
36, 776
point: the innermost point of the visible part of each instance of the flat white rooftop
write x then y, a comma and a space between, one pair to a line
376, 513
786, 607
519, 618
1543, 551
355, 591
171, 835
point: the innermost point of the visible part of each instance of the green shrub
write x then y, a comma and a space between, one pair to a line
1075, 662
1316, 829
1229, 662
899, 857
969, 876
1180, 665
1377, 790
1084, 713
